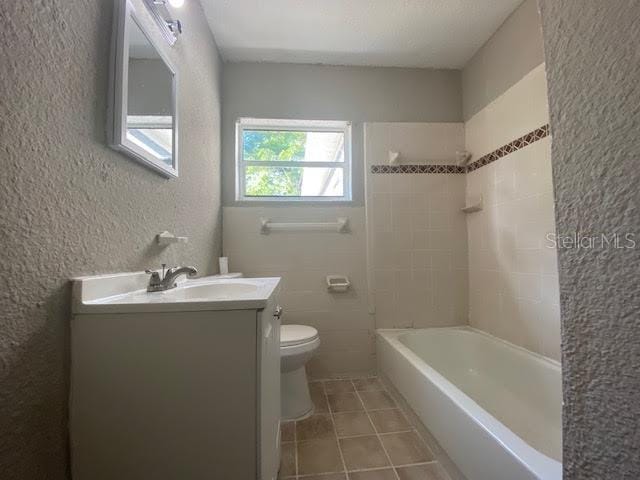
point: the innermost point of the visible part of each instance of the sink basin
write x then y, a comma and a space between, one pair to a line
127, 293
211, 291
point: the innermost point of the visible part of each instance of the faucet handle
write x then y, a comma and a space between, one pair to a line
155, 277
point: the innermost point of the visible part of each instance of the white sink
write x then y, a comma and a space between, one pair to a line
126, 292
213, 291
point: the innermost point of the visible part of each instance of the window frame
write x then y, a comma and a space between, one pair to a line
343, 127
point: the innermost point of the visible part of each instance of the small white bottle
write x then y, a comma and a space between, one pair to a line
223, 262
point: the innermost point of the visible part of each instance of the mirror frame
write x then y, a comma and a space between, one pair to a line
118, 90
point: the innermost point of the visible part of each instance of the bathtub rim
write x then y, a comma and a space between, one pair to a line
536, 462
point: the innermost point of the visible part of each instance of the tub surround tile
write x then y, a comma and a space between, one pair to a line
506, 149
405, 448
419, 168
513, 146
389, 421
510, 259
352, 423
363, 452
344, 402
376, 400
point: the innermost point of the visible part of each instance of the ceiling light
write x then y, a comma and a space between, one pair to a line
176, 3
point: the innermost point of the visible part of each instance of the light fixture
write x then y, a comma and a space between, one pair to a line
170, 28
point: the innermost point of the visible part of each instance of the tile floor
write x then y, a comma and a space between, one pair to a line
356, 432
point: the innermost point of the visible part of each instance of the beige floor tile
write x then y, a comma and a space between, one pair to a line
319, 400
352, 423
287, 431
430, 471
368, 384
377, 400
388, 421
316, 387
344, 402
319, 456
326, 476
385, 474
314, 427
406, 448
288, 460
338, 386
363, 452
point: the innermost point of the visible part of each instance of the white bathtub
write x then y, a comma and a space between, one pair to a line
494, 407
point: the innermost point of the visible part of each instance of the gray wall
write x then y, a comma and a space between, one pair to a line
359, 94
512, 52
72, 206
593, 67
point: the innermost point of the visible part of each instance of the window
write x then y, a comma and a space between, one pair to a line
153, 134
293, 160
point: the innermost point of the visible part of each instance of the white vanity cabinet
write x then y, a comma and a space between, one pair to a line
182, 385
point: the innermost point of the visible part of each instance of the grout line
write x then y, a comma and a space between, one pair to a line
335, 432
369, 434
295, 445
358, 470
377, 434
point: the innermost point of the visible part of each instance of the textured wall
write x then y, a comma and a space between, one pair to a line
72, 206
593, 66
359, 94
512, 52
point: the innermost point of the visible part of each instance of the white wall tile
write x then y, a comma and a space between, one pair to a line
303, 260
518, 111
429, 233
416, 142
507, 242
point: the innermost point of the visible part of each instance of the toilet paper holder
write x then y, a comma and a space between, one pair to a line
338, 283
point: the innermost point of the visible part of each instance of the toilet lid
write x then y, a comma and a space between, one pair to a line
296, 334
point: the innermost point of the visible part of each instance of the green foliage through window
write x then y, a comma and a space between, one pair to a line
259, 145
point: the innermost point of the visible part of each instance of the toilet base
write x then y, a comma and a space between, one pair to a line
296, 401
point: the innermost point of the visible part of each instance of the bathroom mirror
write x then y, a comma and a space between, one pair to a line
142, 118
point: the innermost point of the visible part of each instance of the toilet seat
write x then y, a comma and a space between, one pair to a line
296, 335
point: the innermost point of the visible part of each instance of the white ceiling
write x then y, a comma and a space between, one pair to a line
398, 33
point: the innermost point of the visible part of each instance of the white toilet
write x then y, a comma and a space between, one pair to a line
297, 345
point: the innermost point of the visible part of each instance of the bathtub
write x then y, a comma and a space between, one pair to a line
495, 408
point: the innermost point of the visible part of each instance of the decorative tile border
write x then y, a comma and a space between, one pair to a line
417, 169
517, 144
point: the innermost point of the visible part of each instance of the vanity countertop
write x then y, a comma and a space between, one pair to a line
126, 293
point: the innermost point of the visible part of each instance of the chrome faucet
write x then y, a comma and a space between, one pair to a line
168, 279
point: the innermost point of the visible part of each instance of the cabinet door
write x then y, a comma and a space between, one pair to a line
269, 391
